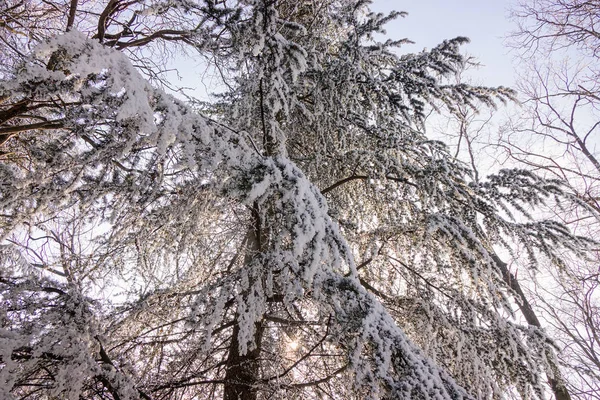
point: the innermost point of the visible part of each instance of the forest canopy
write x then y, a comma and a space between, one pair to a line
298, 236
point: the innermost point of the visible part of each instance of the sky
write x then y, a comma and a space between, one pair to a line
485, 22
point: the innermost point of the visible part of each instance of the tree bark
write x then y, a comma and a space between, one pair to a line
242, 370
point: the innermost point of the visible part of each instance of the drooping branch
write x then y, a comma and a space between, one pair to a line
364, 177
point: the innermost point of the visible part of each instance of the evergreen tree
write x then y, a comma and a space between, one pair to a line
298, 238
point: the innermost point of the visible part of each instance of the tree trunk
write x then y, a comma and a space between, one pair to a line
557, 382
242, 370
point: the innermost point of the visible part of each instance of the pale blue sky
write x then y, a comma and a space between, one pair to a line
485, 22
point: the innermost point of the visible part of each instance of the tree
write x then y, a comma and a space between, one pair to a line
561, 91
470, 133
555, 135
232, 234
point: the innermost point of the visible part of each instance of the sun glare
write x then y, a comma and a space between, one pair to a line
293, 345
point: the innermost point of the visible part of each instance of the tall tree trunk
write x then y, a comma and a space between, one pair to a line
556, 381
242, 370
